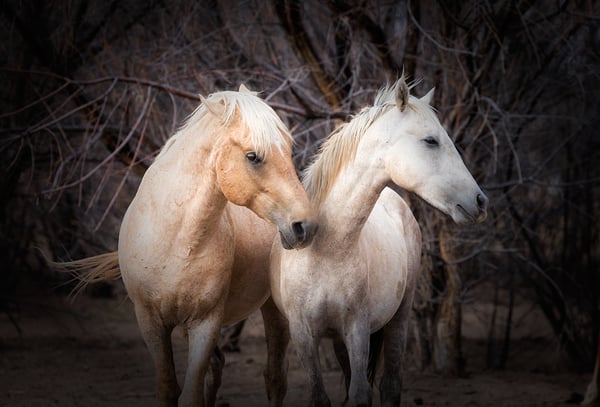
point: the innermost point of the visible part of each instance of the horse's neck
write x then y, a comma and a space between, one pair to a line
349, 203
189, 183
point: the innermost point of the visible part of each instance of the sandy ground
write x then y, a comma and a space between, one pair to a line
90, 353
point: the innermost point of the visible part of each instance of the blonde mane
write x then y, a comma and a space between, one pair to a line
340, 147
266, 128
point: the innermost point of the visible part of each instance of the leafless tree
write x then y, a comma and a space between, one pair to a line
92, 90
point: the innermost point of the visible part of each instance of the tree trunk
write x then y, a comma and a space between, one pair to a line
448, 346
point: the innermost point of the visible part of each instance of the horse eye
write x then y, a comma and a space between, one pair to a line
253, 157
431, 141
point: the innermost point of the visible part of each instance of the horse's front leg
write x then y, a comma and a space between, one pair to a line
278, 337
307, 348
203, 335
356, 338
157, 337
341, 355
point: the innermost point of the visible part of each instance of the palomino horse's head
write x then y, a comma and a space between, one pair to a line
254, 168
423, 159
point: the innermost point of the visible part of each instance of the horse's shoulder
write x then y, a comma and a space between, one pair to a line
392, 224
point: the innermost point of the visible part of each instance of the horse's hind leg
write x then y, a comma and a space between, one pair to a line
203, 335
158, 340
213, 378
394, 343
230, 337
278, 337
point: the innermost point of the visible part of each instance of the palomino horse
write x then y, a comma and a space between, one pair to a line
358, 275
189, 255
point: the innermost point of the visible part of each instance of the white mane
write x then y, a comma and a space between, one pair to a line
266, 128
340, 148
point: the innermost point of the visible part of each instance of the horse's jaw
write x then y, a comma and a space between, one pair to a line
461, 213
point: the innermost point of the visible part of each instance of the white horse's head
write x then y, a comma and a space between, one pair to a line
422, 158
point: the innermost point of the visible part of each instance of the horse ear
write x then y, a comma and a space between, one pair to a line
402, 93
429, 96
215, 108
244, 89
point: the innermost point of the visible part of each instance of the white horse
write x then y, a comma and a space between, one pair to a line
189, 255
358, 275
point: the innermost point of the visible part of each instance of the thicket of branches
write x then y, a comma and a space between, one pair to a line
92, 90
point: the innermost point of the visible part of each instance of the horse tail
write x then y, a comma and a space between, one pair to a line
102, 267
375, 349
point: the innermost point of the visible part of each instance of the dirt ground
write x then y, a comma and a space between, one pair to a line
90, 353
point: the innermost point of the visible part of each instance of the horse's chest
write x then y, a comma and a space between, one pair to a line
345, 289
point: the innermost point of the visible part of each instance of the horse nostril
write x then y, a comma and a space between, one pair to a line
299, 231
481, 201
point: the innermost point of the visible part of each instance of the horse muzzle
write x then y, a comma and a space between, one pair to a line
297, 234
472, 212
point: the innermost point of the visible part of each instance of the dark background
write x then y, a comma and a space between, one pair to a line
91, 90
